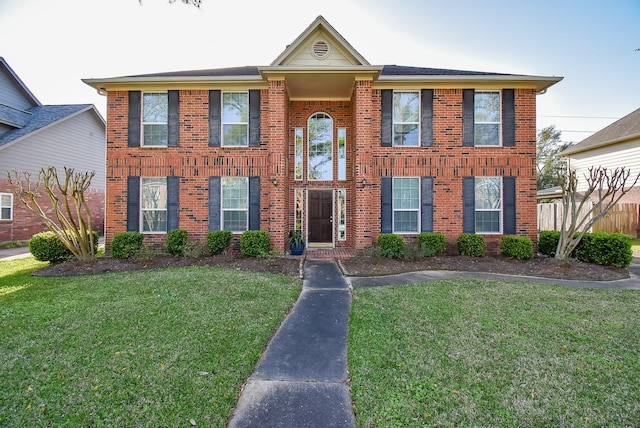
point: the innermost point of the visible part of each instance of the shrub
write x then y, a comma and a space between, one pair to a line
254, 243
470, 244
195, 249
47, 247
432, 243
548, 242
609, 249
126, 244
176, 241
391, 246
517, 247
218, 241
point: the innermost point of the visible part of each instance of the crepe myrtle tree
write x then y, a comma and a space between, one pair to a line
196, 3
605, 187
71, 218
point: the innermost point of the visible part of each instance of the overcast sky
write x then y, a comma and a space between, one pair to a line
52, 44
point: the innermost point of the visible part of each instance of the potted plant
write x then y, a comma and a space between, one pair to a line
296, 243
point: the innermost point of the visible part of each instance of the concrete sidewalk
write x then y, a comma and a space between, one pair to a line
301, 380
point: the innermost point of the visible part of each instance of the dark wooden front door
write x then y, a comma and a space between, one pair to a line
320, 216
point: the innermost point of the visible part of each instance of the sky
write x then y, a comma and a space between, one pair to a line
52, 45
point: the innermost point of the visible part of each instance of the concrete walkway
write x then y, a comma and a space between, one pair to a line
301, 380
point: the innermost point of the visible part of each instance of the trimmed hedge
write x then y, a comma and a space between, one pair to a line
126, 245
470, 244
548, 242
255, 243
47, 247
432, 243
517, 247
176, 242
218, 241
391, 246
609, 249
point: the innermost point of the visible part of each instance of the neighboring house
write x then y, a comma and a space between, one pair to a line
35, 136
615, 146
322, 141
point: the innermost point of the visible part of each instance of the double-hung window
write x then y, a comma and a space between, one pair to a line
406, 118
488, 204
487, 118
153, 204
6, 206
235, 119
406, 204
235, 203
155, 112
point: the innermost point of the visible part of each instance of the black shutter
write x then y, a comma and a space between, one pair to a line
386, 121
468, 117
509, 207
173, 119
426, 200
134, 119
386, 209
215, 123
508, 118
173, 191
133, 204
469, 204
426, 125
214, 203
254, 117
254, 203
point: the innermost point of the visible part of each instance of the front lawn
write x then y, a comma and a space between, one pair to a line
474, 353
149, 348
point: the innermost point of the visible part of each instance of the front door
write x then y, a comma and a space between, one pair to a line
320, 217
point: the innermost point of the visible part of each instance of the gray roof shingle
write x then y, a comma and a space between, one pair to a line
628, 126
42, 116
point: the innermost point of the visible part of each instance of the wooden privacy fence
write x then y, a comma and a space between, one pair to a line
621, 218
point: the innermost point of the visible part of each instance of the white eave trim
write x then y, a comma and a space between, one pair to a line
540, 83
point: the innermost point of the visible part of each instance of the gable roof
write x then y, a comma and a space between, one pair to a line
8, 71
624, 129
41, 117
310, 75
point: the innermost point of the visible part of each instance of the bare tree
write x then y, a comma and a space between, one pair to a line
196, 3
72, 222
607, 187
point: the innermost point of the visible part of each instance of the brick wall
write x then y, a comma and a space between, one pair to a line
25, 224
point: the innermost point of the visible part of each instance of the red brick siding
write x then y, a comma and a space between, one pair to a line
25, 224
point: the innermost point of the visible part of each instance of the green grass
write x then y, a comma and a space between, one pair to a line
508, 354
154, 348
635, 244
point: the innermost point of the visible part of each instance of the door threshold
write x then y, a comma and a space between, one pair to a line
320, 245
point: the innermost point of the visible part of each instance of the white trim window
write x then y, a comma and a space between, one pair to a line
406, 118
153, 204
235, 203
487, 113
342, 153
342, 214
299, 150
320, 147
155, 113
406, 204
488, 205
235, 119
6, 206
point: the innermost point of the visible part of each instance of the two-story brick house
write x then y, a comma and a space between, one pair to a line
323, 142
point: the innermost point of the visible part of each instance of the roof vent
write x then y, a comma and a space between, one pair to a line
320, 49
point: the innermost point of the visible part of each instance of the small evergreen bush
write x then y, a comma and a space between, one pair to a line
470, 244
126, 244
391, 246
517, 247
548, 242
176, 242
432, 243
218, 241
47, 247
255, 243
609, 249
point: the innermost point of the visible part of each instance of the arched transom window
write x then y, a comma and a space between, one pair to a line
320, 129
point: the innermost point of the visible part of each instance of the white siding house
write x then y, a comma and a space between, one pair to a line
615, 146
